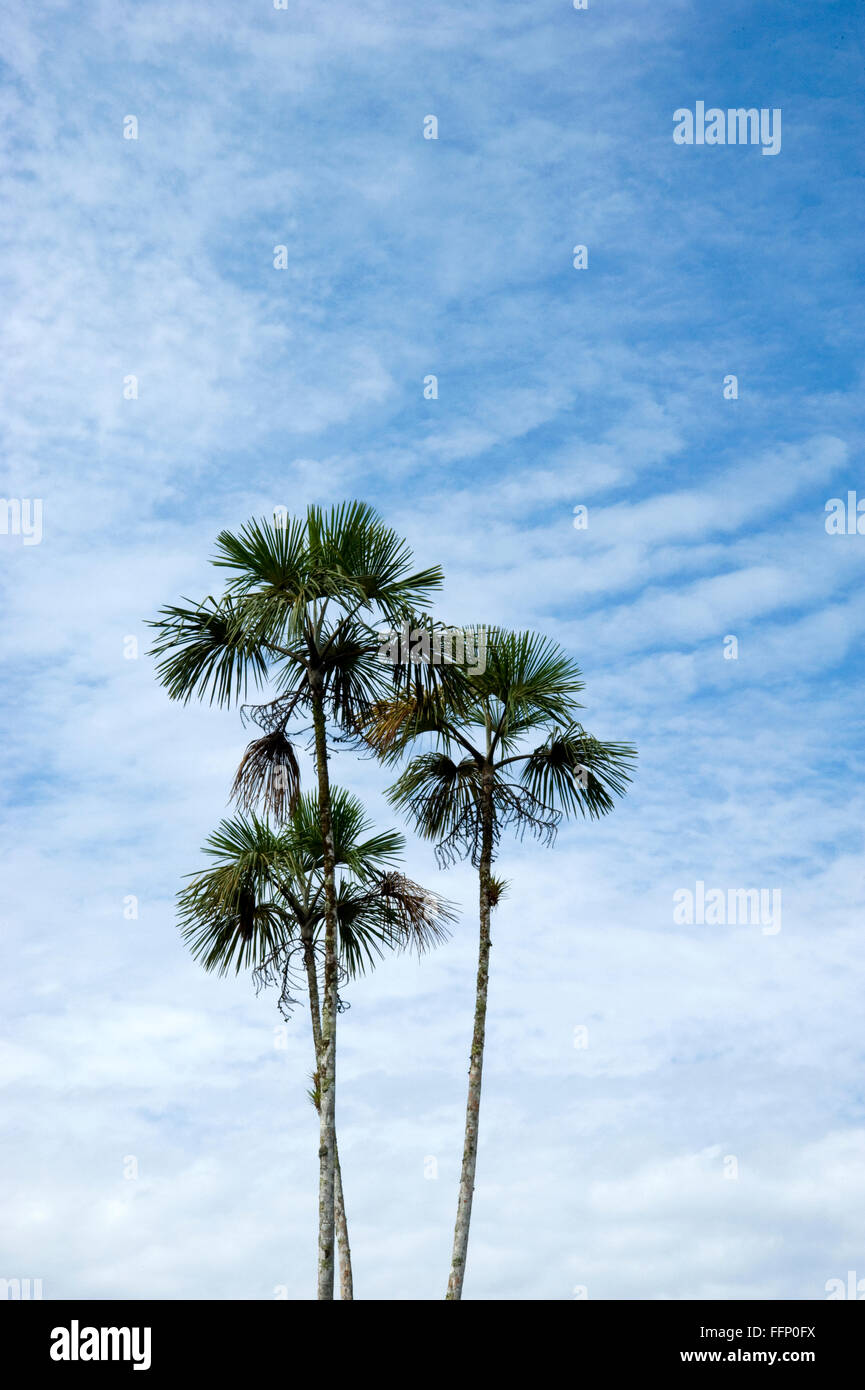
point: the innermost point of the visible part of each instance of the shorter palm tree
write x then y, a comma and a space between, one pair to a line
505, 748
262, 905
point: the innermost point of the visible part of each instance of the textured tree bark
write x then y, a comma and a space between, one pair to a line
476, 1061
346, 1278
327, 1063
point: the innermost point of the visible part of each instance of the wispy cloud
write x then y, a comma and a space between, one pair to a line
254, 386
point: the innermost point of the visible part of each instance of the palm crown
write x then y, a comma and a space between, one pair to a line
302, 605
265, 891
513, 726
298, 602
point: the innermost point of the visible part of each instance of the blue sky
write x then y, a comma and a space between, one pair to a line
600, 1167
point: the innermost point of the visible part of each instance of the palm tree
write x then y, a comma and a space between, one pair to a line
261, 904
300, 606
505, 749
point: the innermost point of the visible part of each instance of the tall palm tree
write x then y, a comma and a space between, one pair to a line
301, 605
506, 748
261, 904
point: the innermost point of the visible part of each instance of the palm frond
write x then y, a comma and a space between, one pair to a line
355, 850
353, 552
390, 912
268, 775
220, 934
528, 679
577, 772
205, 647
266, 555
231, 913
437, 793
351, 675
270, 579
440, 707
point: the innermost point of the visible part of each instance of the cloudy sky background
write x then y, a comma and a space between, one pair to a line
601, 1167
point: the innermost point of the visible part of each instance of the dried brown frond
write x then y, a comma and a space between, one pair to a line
419, 918
268, 775
384, 721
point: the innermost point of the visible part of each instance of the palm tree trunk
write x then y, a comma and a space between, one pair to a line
327, 1062
346, 1281
476, 1062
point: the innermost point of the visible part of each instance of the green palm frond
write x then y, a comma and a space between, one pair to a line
363, 937
488, 720
246, 840
219, 936
389, 912
576, 772
348, 821
355, 850
268, 556
352, 677
529, 681
437, 793
204, 647
353, 552
230, 913
270, 580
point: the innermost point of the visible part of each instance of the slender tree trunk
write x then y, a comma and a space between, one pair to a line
470, 1145
327, 1063
346, 1281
